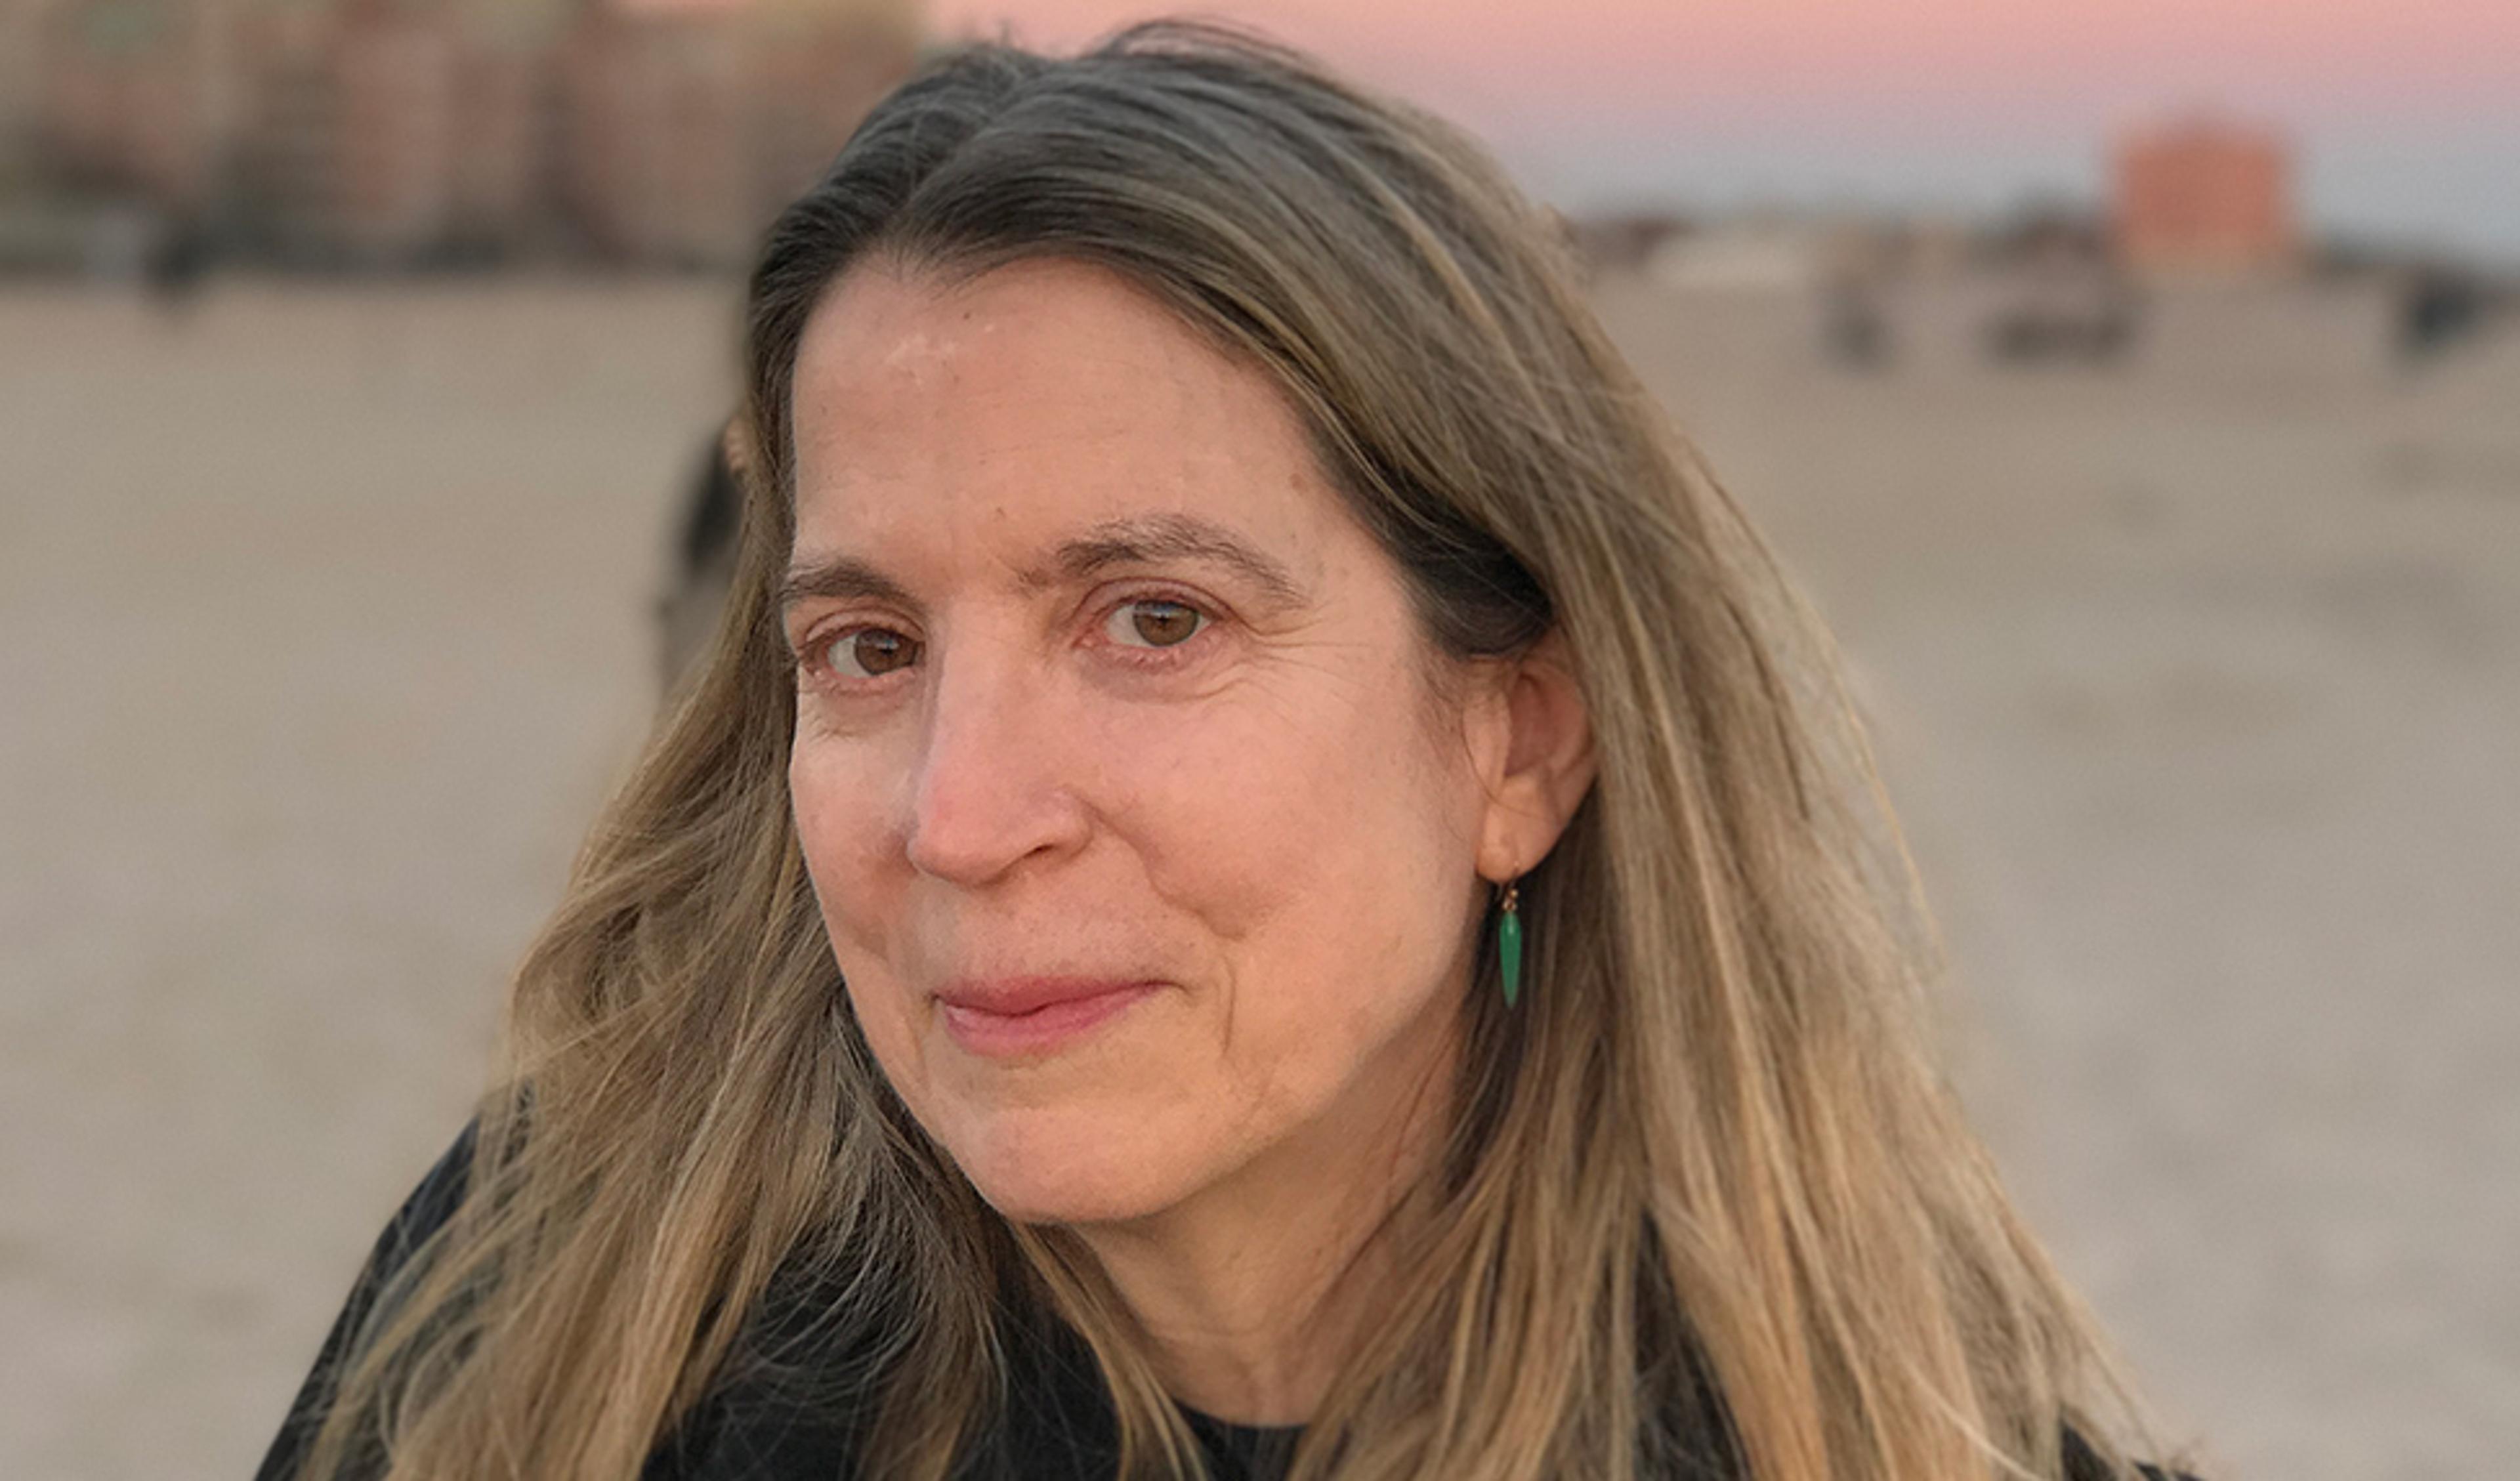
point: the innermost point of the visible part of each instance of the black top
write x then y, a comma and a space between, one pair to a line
1058, 1427
1060, 1424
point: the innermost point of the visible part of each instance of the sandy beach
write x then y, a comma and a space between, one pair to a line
326, 621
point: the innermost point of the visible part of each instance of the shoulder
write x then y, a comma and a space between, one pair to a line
2084, 1462
426, 1211
431, 1204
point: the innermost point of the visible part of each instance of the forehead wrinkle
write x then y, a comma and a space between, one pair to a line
880, 437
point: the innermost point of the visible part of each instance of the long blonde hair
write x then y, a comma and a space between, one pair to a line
1703, 1180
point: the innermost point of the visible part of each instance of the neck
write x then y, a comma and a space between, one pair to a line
1254, 1291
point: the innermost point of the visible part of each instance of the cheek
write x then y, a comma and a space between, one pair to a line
1326, 849
832, 795
838, 797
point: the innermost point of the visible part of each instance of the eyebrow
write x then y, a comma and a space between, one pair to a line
839, 578
1132, 540
1144, 539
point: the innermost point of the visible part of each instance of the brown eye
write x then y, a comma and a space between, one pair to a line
870, 653
1155, 622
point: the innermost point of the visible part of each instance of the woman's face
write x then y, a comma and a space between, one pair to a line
1144, 853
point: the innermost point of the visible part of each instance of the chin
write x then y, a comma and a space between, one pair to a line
1043, 1165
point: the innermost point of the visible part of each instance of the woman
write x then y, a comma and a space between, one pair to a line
1261, 881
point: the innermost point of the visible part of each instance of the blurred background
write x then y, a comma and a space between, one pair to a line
2135, 387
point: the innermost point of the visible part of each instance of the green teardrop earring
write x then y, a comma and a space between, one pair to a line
1510, 945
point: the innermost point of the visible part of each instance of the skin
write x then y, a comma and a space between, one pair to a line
1158, 769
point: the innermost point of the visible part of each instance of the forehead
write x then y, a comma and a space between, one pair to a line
1034, 398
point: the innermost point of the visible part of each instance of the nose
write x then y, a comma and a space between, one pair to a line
989, 788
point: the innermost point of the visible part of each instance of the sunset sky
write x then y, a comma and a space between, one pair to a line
2407, 113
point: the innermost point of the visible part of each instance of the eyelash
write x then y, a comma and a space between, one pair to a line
811, 653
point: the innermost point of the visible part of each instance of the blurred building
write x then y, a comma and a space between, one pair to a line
690, 122
130, 96
409, 131
401, 72
2204, 197
22, 25
655, 158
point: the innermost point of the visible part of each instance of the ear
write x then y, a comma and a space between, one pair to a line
1534, 747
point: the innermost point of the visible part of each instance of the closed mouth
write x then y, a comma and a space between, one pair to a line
1033, 1016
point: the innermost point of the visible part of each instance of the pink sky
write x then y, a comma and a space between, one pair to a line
2419, 52
2408, 110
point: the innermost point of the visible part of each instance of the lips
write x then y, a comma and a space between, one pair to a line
1006, 1017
